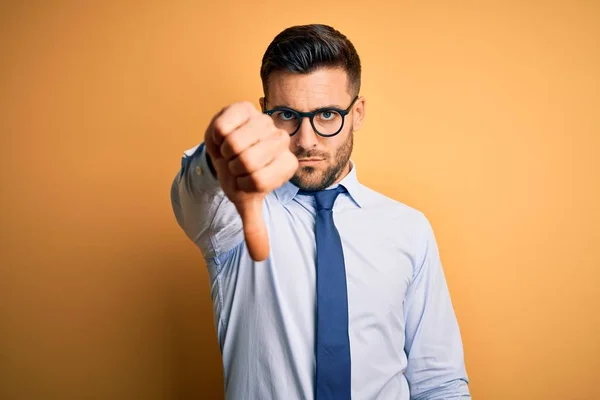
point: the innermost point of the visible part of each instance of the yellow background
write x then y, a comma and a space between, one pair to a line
484, 117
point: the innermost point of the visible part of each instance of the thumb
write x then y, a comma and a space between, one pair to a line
255, 230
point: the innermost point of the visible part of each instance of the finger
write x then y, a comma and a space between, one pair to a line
258, 128
259, 155
232, 118
272, 176
255, 229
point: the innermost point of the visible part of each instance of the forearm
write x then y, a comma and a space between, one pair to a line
436, 368
201, 208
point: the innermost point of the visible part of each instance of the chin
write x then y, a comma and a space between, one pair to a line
308, 178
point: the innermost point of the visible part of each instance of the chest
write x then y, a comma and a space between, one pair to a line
378, 261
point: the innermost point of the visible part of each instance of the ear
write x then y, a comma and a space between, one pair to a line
358, 116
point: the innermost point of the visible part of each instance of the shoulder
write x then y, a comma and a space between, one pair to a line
393, 210
408, 228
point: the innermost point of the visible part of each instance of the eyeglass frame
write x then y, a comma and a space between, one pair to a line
311, 116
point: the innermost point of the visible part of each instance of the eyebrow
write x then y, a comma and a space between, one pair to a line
312, 110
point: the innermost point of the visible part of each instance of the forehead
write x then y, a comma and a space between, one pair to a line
322, 87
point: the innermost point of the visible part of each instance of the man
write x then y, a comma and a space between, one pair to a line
322, 288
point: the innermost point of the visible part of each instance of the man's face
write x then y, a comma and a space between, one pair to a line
323, 161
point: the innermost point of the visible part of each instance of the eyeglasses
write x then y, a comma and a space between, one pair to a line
326, 122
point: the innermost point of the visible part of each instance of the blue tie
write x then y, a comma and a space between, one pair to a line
332, 341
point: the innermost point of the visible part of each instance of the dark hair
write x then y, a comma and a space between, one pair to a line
305, 48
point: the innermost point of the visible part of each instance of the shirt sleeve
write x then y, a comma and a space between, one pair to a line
201, 207
436, 368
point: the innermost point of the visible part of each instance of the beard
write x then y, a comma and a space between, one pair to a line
311, 179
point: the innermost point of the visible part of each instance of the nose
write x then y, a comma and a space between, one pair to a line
306, 137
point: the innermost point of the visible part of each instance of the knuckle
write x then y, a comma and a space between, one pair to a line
230, 146
262, 124
285, 137
247, 162
220, 125
265, 119
245, 106
281, 144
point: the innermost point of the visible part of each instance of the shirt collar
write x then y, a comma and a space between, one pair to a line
288, 190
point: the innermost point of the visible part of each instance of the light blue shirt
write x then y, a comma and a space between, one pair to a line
404, 337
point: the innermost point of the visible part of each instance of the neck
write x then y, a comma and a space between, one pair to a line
345, 171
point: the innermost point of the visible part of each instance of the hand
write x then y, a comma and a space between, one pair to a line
251, 157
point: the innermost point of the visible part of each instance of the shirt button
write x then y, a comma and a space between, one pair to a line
199, 170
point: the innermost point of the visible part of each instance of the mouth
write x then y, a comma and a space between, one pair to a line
310, 160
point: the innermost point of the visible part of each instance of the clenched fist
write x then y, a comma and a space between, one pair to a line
251, 157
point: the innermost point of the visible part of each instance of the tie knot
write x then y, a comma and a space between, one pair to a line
326, 198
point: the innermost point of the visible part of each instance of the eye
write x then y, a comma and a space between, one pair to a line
327, 115
285, 115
